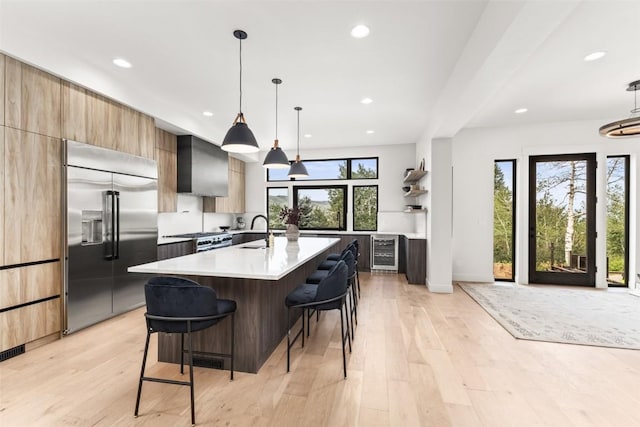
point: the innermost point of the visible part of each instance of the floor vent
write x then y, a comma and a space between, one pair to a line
8, 354
208, 362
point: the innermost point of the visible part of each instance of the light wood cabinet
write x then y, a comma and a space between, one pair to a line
93, 119
33, 99
147, 136
32, 203
130, 141
104, 121
74, 112
2, 61
235, 201
29, 323
2, 181
167, 158
30, 283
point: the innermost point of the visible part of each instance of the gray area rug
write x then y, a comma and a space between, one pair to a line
574, 316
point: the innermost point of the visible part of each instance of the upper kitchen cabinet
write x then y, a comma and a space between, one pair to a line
93, 119
32, 99
235, 201
167, 158
32, 197
104, 122
147, 136
138, 134
2, 61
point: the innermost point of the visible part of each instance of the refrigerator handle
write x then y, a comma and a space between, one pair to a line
116, 231
110, 221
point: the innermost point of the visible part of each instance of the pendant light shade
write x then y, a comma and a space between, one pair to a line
626, 127
298, 170
276, 158
240, 139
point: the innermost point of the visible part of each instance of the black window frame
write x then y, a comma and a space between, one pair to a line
345, 188
627, 183
349, 160
514, 194
353, 202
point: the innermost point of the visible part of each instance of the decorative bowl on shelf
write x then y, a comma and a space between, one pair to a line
406, 188
225, 227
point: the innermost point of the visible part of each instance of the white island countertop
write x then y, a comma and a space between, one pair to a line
246, 261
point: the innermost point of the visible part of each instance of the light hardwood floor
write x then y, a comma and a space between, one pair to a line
418, 359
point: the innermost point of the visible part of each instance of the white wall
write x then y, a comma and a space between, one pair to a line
392, 162
474, 153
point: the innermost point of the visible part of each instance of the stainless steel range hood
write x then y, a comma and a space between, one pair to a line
202, 167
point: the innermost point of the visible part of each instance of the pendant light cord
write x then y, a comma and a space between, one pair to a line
298, 151
240, 76
276, 111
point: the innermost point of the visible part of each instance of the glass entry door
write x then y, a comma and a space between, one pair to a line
562, 219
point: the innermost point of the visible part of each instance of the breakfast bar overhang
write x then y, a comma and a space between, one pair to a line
258, 278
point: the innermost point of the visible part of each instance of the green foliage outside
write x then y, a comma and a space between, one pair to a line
365, 206
502, 219
616, 218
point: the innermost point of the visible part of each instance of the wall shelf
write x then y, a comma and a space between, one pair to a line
414, 176
414, 193
414, 210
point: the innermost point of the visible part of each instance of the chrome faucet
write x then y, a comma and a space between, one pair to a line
259, 216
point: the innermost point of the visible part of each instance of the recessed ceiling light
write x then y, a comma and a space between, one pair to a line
207, 113
366, 101
371, 131
122, 63
595, 55
360, 31
307, 135
521, 110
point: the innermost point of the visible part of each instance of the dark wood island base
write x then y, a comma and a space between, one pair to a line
260, 321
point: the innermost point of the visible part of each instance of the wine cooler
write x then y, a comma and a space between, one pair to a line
384, 253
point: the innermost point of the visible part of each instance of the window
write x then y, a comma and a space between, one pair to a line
363, 168
277, 198
365, 207
504, 219
618, 220
323, 207
331, 169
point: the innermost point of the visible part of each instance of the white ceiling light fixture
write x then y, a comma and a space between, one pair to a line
239, 138
122, 63
207, 113
595, 55
521, 110
366, 101
298, 169
276, 158
370, 131
626, 127
360, 31
307, 135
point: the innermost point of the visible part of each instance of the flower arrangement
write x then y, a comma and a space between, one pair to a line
290, 215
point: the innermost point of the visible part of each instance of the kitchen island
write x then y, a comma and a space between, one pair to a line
258, 279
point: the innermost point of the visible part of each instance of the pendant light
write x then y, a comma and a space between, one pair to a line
276, 158
625, 127
240, 139
298, 170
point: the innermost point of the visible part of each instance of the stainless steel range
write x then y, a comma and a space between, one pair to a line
206, 241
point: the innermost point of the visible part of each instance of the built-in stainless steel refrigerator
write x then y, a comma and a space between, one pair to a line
111, 200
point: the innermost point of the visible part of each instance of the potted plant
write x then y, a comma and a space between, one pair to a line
291, 217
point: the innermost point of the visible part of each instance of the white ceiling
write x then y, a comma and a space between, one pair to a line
435, 66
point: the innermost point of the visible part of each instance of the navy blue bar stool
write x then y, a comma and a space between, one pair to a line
329, 294
177, 305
